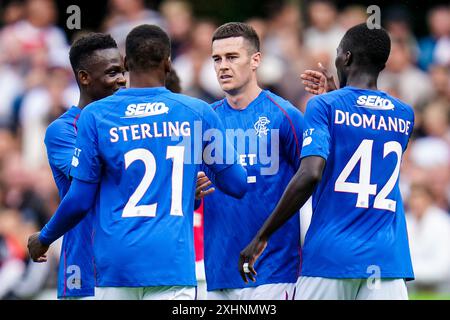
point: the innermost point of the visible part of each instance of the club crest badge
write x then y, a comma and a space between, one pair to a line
261, 126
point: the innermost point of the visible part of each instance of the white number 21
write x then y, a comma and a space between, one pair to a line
363, 188
131, 209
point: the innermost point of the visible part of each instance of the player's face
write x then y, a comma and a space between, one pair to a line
235, 65
106, 74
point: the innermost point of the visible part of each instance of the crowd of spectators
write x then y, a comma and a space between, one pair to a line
37, 85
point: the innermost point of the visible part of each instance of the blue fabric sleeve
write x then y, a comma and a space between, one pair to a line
220, 160
316, 134
218, 152
291, 135
86, 163
73, 208
232, 181
60, 141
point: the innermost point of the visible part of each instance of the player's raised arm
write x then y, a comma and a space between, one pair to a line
232, 181
298, 191
86, 171
73, 208
315, 150
221, 159
318, 82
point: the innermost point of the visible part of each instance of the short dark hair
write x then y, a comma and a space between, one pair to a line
370, 48
146, 47
238, 29
82, 49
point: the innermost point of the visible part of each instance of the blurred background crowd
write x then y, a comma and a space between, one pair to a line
37, 85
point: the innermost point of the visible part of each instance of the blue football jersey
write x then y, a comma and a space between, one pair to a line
76, 266
267, 136
144, 146
358, 227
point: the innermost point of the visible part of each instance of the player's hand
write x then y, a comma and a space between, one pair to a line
318, 82
248, 258
36, 249
203, 183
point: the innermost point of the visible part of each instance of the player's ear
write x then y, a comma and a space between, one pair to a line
83, 77
168, 65
348, 58
255, 60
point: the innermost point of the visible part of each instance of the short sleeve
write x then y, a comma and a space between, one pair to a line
316, 134
218, 152
291, 135
86, 162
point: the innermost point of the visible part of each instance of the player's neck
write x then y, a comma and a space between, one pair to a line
146, 80
241, 100
84, 101
362, 80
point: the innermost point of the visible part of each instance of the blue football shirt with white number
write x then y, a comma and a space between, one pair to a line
267, 137
76, 265
358, 227
142, 145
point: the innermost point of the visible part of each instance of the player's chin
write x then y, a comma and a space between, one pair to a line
227, 86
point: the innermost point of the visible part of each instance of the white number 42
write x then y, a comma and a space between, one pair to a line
364, 188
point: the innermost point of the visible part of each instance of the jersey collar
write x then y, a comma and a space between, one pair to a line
74, 109
253, 103
141, 91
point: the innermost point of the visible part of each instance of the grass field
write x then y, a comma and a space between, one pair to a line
428, 296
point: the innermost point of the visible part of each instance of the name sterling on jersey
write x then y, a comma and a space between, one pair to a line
253, 149
153, 130
375, 122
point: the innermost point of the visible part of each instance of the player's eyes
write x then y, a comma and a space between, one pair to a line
115, 73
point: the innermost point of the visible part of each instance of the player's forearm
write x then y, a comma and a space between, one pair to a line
298, 191
232, 181
73, 208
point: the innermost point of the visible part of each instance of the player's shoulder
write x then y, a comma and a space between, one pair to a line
332, 96
217, 104
103, 105
401, 105
96, 111
328, 100
281, 104
185, 99
191, 104
58, 127
274, 98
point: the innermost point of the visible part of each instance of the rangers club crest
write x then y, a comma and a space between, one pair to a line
261, 126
